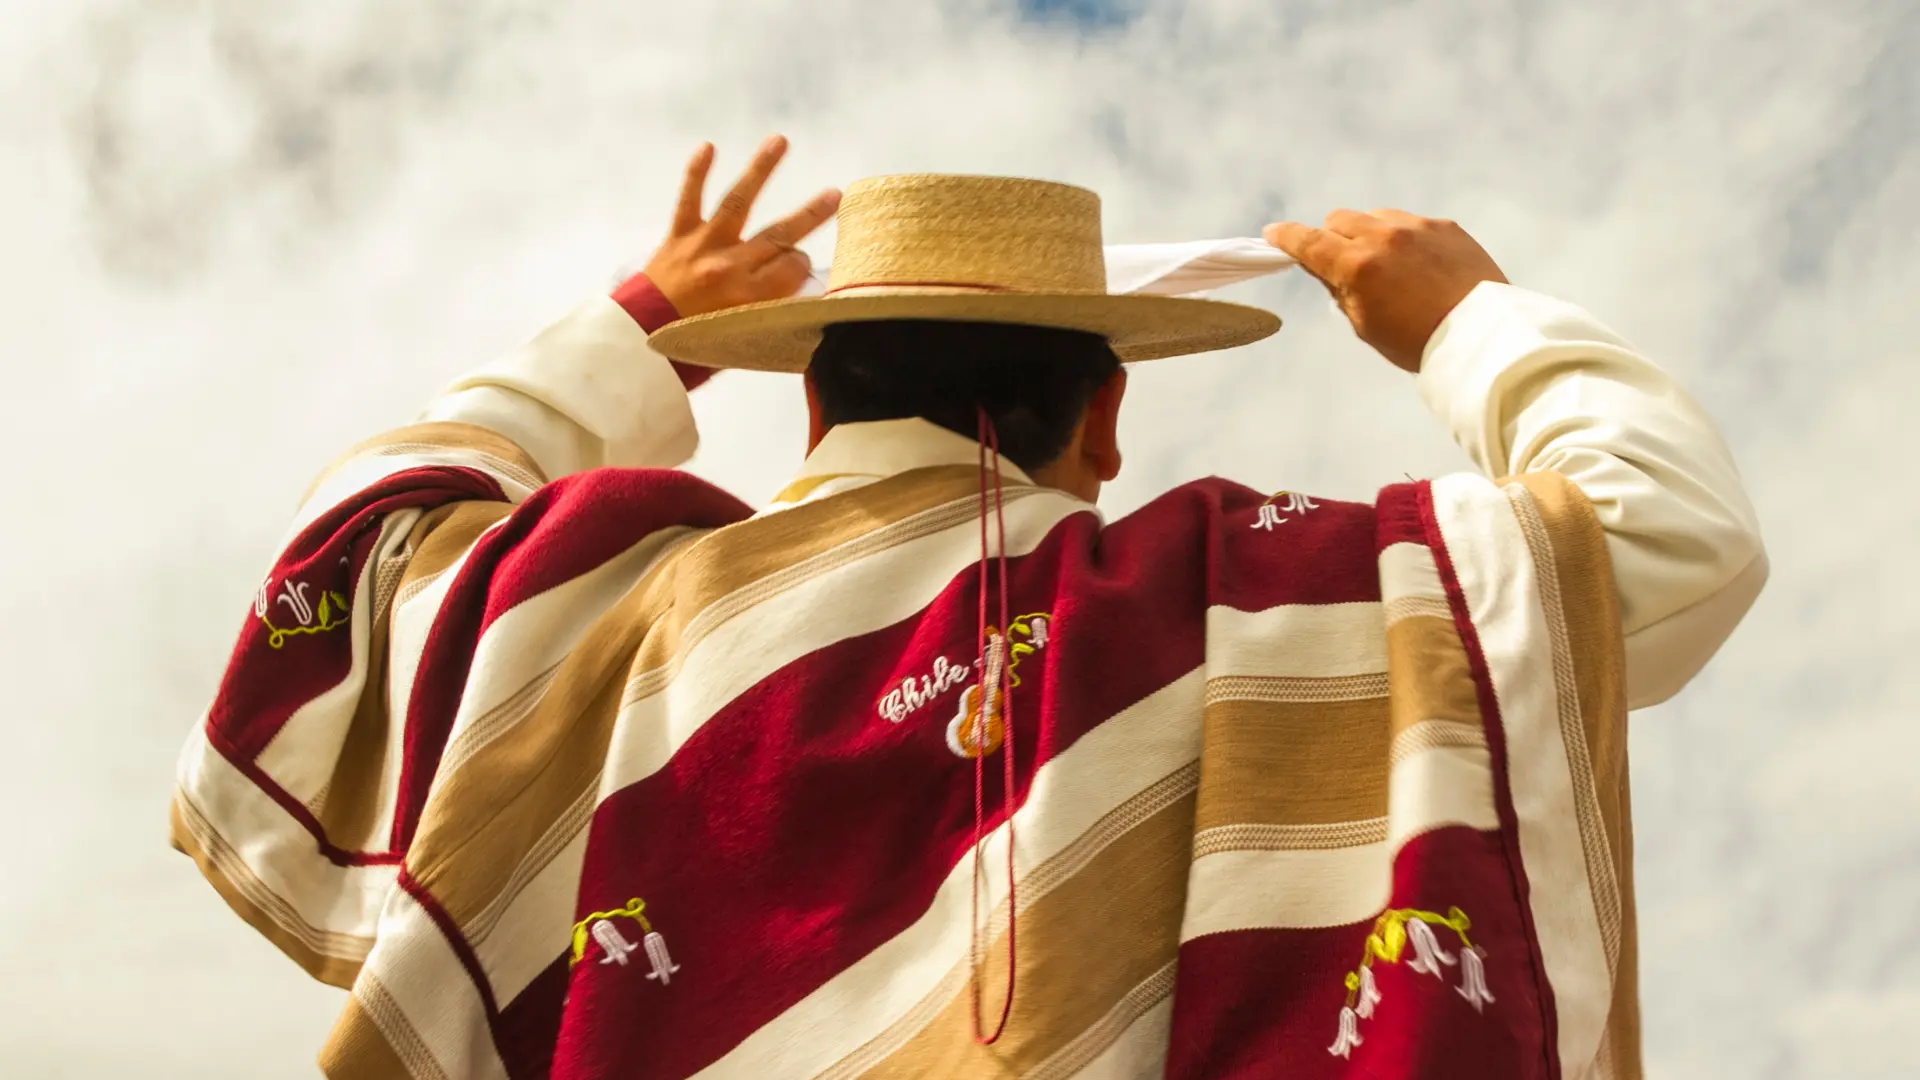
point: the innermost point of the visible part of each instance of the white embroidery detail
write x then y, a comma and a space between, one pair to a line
1393, 933
1349, 1036
1369, 994
976, 720
294, 595
1427, 953
913, 694
616, 946
663, 965
334, 610
599, 926
1473, 977
1286, 502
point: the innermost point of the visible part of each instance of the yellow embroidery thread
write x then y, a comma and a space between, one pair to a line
1389, 938
633, 911
1022, 625
1267, 514
333, 613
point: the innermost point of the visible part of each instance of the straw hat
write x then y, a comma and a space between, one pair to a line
969, 249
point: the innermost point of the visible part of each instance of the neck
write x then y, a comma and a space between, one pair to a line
1060, 476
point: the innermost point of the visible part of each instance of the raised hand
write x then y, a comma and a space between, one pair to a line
1395, 275
704, 265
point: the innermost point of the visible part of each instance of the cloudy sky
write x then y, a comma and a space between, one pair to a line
240, 235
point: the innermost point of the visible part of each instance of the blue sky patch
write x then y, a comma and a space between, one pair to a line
1086, 14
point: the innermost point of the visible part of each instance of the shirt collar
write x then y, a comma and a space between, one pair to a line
883, 448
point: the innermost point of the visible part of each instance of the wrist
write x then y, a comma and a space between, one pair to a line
643, 300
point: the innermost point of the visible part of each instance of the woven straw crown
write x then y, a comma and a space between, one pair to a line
969, 231
964, 249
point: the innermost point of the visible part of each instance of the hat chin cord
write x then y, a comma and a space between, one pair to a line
993, 669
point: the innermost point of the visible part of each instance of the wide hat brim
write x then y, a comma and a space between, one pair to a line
780, 335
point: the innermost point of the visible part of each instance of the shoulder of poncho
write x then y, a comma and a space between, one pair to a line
649, 482
1224, 495
657, 498
1395, 508
580, 522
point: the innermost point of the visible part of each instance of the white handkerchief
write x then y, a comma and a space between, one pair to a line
1182, 269
1196, 266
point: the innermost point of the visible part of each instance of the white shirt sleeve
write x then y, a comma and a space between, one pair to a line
1524, 383
586, 392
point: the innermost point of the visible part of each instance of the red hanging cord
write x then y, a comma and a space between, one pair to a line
1002, 673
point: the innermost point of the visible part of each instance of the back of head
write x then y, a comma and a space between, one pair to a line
1034, 382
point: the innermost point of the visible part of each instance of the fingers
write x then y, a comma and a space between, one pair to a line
1316, 250
731, 215
779, 237
686, 215
782, 276
1353, 223
1400, 217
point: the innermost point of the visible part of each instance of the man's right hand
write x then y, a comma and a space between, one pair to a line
1394, 274
704, 265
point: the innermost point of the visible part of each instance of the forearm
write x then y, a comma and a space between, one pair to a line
1527, 383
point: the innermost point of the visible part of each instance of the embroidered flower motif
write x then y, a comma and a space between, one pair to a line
1392, 932
294, 595
332, 612
1349, 1035
1473, 977
616, 947
1427, 953
663, 965
1283, 502
599, 926
1369, 993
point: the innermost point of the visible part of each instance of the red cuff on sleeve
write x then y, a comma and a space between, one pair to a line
645, 302
649, 307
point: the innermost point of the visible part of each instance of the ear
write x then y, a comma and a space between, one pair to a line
816, 426
1100, 443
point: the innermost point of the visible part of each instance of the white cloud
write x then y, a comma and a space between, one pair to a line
242, 236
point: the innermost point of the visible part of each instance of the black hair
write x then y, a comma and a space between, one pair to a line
1034, 382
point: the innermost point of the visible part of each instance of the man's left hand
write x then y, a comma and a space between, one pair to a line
705, 265
1396, 275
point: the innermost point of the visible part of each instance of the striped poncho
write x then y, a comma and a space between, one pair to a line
609, 777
